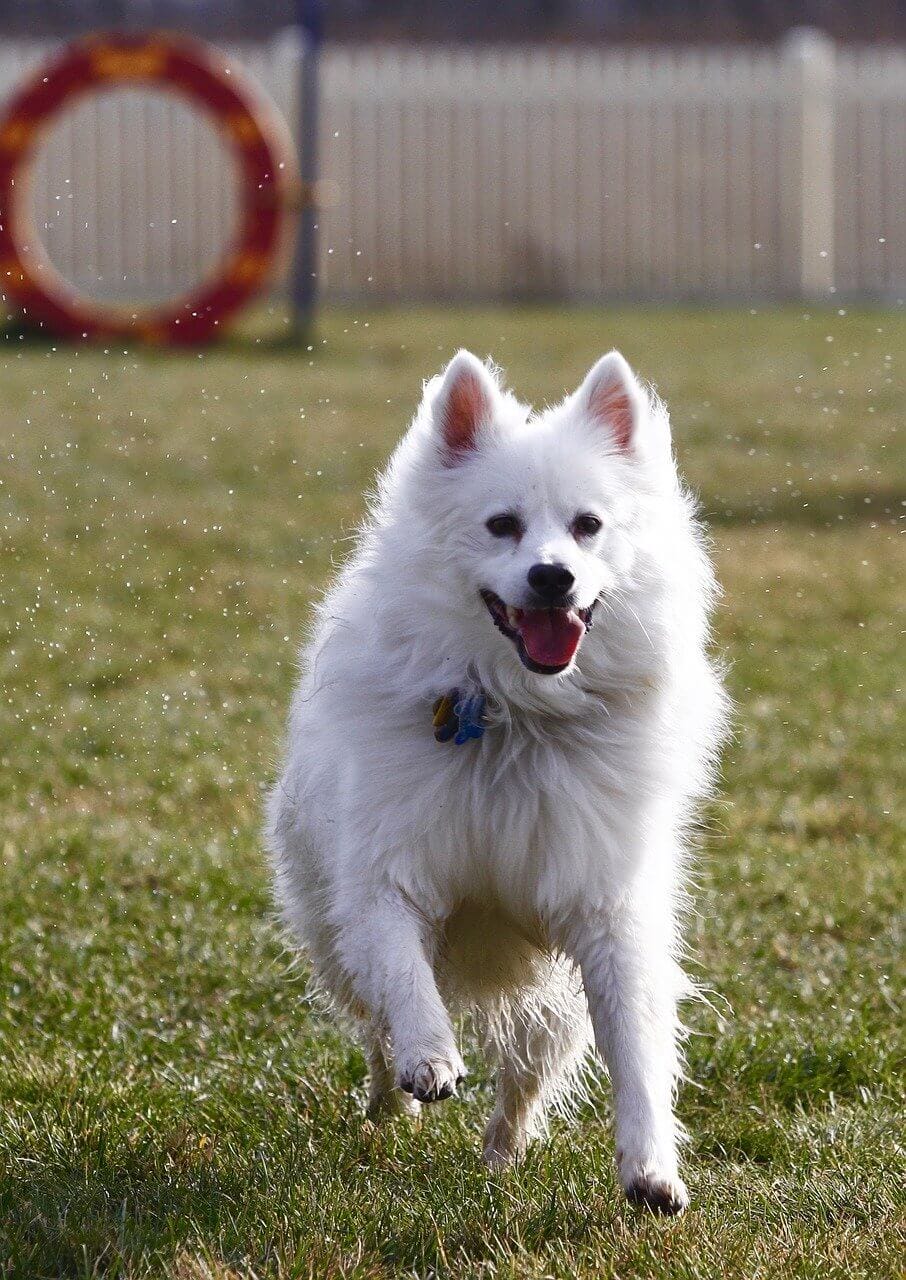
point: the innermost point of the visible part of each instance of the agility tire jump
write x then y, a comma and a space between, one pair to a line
255, 133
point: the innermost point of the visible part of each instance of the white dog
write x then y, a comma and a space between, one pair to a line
485, 802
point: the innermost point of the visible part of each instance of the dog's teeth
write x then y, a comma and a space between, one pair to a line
512, 616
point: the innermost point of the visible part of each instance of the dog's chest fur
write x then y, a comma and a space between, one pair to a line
528, 817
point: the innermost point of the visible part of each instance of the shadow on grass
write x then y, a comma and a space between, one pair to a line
272, 338
64, 1221
108, 1211
822, 510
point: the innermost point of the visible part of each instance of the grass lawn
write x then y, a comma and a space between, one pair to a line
170, 1105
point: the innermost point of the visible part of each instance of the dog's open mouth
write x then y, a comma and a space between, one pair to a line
546, 640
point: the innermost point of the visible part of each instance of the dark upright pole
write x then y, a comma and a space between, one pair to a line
304, 281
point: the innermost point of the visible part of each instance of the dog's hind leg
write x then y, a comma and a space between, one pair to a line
384, 1098
385, 949
542, 1041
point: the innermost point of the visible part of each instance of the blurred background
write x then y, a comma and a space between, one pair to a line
534, 149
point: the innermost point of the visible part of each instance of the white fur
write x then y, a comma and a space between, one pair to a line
533, 876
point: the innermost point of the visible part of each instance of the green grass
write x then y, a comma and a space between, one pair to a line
170, 1105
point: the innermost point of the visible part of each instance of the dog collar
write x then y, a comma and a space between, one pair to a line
459, 718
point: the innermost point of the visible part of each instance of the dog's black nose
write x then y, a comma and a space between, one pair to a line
552, 582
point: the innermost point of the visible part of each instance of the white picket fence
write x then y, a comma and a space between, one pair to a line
517, 172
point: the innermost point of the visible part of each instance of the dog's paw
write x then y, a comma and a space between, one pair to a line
432, 1079
504, 1143
659, 1193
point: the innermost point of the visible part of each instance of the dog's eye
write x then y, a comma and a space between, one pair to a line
505, 526
586, 525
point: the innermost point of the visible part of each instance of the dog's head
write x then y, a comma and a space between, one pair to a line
531, 515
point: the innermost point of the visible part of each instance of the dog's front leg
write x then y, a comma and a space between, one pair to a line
385, 948
631, 982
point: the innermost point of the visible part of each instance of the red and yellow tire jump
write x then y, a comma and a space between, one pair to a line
257, 136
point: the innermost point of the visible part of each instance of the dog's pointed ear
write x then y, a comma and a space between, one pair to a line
463, 403
612, 397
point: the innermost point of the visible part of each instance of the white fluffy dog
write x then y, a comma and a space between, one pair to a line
484, 802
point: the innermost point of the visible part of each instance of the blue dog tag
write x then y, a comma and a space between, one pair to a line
458, 719
470, 714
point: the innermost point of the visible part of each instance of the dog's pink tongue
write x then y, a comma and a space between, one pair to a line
551, 636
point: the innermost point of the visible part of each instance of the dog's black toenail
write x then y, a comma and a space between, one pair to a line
654, 1198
